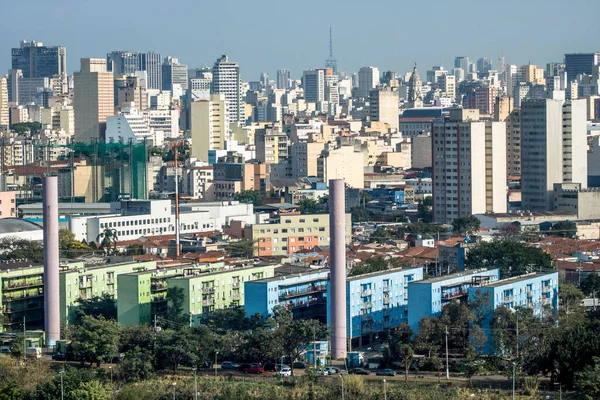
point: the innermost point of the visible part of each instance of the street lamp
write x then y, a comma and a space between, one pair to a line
216, 354
174, 384
384, 390
195, 384
342, 378
513, 386
62, 394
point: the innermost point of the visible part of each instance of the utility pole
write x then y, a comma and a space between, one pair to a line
24, 340
314, 351
447, 362
517, 338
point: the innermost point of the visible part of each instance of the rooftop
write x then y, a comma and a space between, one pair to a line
520, 278
12, 225
380, 273
290, 270
465, 273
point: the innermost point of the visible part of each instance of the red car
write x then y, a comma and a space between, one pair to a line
252, 369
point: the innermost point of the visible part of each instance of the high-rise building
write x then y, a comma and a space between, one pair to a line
553, 148
383, 106
130, 90
123, 62
59, 116
32, 91
174, 74
501, 65
462, 63
14, 76
283, 79
271, 145
4, 109
93, 99
469, 166
152, 64
227, 81
38, 61
484, 65
368, 79
580, 63
209, 123
313, 82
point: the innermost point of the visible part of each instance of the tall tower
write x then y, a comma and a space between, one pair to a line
415, 98
331, 62
227, 81
337, 230
51, 260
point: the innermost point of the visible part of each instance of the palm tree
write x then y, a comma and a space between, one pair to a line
109, 239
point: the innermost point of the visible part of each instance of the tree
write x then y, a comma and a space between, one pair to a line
16, 347
380, 235
564, 229
374, 264
359, 214
108, 240
406, 353
229, 319
249, 196
509, 231
294, 335
481, 305
138, 365
14, 248
459, 317
503, 331
98, 306
587, 382
511, 257
570, 298
308, 206
175, 315
466, 225
175, 348
241, 248
95, 339
429, 336
590, 286
24, 127
69, 247
91, 390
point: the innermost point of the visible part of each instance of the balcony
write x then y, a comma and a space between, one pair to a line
455, 294
158, 287
546, 289
530, 293
208, 289
303, 303
236, 296
387, 300
236, 284
155, 298
290, 293
208, 302
367, 304
509, 299
110, 281
22, 285
15, 296
366, 293
386, 288
85, 284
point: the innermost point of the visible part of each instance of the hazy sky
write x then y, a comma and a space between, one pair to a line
271, 34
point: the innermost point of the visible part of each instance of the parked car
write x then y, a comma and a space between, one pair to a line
299, 365
253, 368
332, 370
286, 371
271, 367
4, 350
33, 352
386, 372
360, 371
322, 372
59, 357
229, 365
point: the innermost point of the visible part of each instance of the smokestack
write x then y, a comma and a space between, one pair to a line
51, 259
337, 232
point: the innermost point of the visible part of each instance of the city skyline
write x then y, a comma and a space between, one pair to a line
412, 41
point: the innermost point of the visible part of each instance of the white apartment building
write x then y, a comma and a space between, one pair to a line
553, 148
469, 166
60, 116
4, 115
342, 163
131, 125
198, 181
227, 81
166, 121
134, 218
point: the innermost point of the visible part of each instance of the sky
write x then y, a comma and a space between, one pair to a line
267, 35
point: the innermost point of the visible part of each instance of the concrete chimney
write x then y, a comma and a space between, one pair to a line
51, 260
337, 232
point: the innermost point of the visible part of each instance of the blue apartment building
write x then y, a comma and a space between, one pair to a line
304, 293
429, 296
377, 302
537, 290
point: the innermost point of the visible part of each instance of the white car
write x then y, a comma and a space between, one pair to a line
322, 372
332, 370
285, 371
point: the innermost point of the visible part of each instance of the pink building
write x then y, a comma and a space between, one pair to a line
8, 205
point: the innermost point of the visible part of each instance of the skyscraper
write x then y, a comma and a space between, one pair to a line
209, 123
93, 100
38, 61
383, 106
4, 115
484, 64
469, 166
152, 64
462, 63
14, 76
123, 62
580, 63
553, 148
283, 79
174, 73
227, 81
313, 82
368, 78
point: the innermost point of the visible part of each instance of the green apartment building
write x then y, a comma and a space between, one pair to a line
22, 294
216, 288
78, 281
